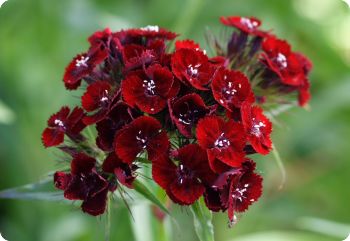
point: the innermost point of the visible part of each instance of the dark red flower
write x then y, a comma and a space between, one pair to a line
185, 182
186, 111
64, 122
187, 44
135, 35
192, 67
82, 66
281, 60
142, 134
120, 115
150, 89
101, 38
135, 56
258, 128
235, 190
125, 173
249, 25
84, 183
222, 140
98, 98
231, 88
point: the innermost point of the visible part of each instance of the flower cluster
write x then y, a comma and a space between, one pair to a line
195, 118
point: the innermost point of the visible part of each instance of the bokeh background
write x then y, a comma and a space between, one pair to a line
39, 37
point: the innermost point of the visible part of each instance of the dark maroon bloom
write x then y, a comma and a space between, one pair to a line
235, 190
222, 140
120, 115
125, 173
150, 89
98, 98
135, 56
101, 38
148, 32
192, 67
84, 183
249, 25
281, 60
186, 111
231, 88
142, 134
258, 128
82, 66
185, 182
187, 44
63, 122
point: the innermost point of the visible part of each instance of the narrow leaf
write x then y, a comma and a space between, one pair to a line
144, 191
280, 166
202, 219
41, 190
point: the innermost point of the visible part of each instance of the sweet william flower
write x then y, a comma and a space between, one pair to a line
186, 111
144, 134
64, 122
249, 25
281, 60
258, 128
186, 181
149, 89
192, 67
82, 66
231, 88
119, 116
125, 173
224, 141
84, 183
234, 190
99, 99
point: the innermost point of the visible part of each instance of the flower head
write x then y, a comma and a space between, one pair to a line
186, 111
82, 66
231, 88
142, 134
84, 183
223, 141
149, 89
192, 67
98, 98
258, 128
185, 182
249, 25
64, 122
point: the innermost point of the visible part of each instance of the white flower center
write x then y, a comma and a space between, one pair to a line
151, 28
256, 128
58, 122
282, 60
193, 70
222, 141
150, 86
249, 23
141, 139
82, 61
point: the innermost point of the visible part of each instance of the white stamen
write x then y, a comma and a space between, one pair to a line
59, 122
222, 141
151, 28
282, 60
149, 85
256, 128
142, 140
249, 23
193, 69
82, 61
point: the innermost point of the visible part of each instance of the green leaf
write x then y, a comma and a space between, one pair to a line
202, 219
144, 191
42, 190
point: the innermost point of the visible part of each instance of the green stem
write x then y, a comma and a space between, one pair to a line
280, 165
108, 220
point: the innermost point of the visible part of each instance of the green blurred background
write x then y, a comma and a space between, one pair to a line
38, 38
